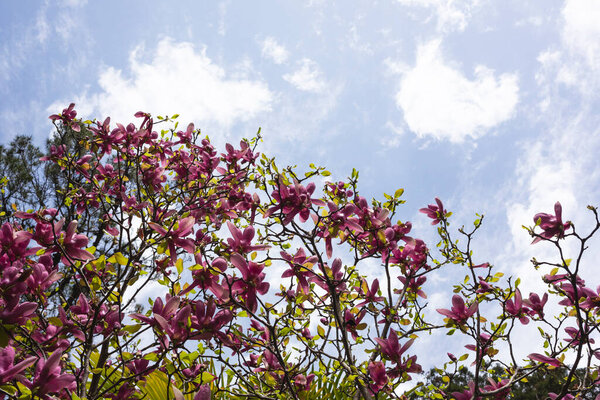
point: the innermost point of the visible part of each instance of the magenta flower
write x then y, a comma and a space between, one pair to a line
165, 310
177, 236
206, 277
303, 382
73, 245
300, 267
576, 336
414, 285
493, 386
554, 396
203, 392
545, 359
42, 275
536, 304
18, 313
390, 347
485, 346
516, 309
242, 241
435, 212
8, 370
551, 225
14, 244
48, 377
458, 313
468, 394
352, 322
251, 282
206, 323
370, 295
294, 200
378, 375
484, 287
335, 275
67, 116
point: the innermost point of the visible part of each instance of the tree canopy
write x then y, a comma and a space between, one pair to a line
138, 261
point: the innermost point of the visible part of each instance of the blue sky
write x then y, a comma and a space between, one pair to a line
491, 106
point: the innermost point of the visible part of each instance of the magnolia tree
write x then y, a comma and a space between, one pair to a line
258, 282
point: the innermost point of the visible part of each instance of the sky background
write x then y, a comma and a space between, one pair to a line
490, 106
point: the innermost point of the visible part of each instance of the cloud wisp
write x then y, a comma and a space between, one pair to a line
274, 51
451, 15
307, 77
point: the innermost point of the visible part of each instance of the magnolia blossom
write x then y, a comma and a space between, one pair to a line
551, 225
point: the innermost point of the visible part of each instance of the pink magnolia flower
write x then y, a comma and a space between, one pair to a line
536, 304
252, 281
551, 225
370, 295
576, 336
390, 347
18, 313
484, 287
165, 310
414, 285
352, 322
493, 386
294, 200
48, 377
378, 375
73, 245
334, 278
303, 382
468, 394
458, 313
177, 236
67, 116
8, 370
42, 275
554, 396
203, 392
242, 241
14, 243
545, 359
81, 310
435, 212
516, 308
485, 346
206, 323
207, 278
300, 267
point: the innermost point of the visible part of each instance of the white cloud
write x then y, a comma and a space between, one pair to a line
178, 79
439, 101
451, 14
581, 32
274, 51
307, 77
575, 63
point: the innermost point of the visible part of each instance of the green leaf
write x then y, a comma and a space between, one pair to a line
321, 331
156, 386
